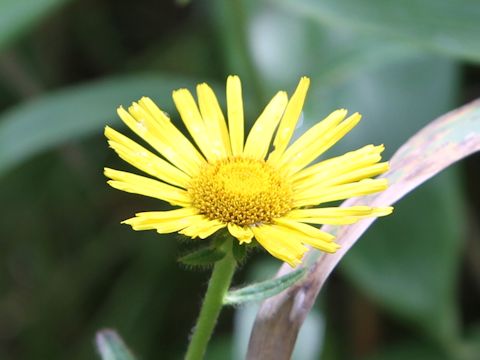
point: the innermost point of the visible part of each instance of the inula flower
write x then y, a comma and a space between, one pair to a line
265, 187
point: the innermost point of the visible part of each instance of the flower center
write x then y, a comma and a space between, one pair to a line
241, 191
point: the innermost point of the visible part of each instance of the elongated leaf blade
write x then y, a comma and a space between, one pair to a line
263, 290
75, 112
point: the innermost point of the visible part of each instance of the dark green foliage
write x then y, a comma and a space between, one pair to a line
67, 266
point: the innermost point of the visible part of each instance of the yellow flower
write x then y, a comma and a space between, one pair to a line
227, 181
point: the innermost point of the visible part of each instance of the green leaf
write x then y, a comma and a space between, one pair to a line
395, 100
111, 346
263, 290
202, 257
409, 261
75, 112
329, 56
17, 17
395, 97
448, 26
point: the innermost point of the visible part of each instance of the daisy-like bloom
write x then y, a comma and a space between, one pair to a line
226, 181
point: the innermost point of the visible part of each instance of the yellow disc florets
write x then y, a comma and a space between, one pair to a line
241, 191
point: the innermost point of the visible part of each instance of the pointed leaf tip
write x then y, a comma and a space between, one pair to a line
110, 346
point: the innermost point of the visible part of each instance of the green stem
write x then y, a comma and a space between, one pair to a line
238, 17
212, 304
230, 18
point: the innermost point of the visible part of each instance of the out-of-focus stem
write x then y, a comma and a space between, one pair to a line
231, 20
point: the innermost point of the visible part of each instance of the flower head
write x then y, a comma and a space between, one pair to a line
226, 181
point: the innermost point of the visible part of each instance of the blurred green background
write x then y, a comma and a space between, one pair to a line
410, 289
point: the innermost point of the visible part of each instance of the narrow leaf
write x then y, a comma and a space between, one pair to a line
75, 112
263, 290
111, 346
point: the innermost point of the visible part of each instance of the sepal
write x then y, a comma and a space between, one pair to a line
203, 257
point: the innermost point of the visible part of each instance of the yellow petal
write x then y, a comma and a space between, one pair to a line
243, 234
313, 134
179, 146
337, 215
315, 196
280, 244
328, 179
193, 121
163, 221
157, 131
358, 174
305, 229
214, 121
141, 185
352, 160
317, 140
290, 119
382, 211
319, 241
144, 160
258, 140
235, 114
203, 228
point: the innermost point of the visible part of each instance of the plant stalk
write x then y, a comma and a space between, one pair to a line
212, 304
